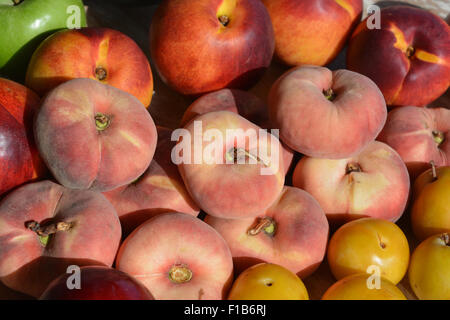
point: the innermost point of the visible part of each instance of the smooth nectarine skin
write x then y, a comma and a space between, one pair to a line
195, 53
94, 136
102, 54
318, 126
419, 135
155, 249
28, 262
97, 283
408, 57
298, 241
231, 190
241, 102
374, 183
19, 158
160, 189
312, 32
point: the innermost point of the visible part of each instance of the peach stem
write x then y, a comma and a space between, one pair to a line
100, 73
265, 224
438, 137
329, 94
224, 20
433, 170
101, 121
352, 167
237, 154
410, 51
180, 273
446, 238
17, 2
44, 231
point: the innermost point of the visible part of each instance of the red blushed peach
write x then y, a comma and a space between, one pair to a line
374, 183
206, 45
44, 228
241, 102
312, 32
292, 233
326, 114
102, 54
160, 189
419, 135
94, 136
408, 57
178, 257
19, 159
231, 167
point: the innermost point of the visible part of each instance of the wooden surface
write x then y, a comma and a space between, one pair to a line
167, 106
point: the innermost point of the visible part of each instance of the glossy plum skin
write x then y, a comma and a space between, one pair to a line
98, 283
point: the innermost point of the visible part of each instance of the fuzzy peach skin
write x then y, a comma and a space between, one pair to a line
160, 189
224, 185
312, 31
19, 159
419, 135
165, 250
408, 57
102, 54
241, 102
27, 263
297, 241
374, 183
94, 136
195, 53
326, 114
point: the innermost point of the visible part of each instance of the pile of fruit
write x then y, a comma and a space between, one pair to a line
99, 202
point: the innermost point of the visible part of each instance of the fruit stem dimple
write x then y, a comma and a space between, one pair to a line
224, 20
100, 73
180, 273
433, 170
410, 52
438, 137
266, 224
352, 167
239, 155
329, 94
446, 238
101, 121
17, 2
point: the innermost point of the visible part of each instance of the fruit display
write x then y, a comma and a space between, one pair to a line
224, 150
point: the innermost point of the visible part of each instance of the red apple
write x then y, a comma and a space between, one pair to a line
160, 189
177, 256
326, 114
94, 136
312, 31
374, 183
206, 45
241, 102
231, 167
408, 57
419, 135
292, 233
97, 283
19, 159
44, 228
102, 54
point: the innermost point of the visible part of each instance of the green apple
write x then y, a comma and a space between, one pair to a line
25, 23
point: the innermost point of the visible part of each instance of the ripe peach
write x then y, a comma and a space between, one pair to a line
241, 102
94, 136
374, 183
102, 54
419, 135
160, 189
408, 57
44, 228
177, 256
231, 167
206, 45
312, 32
326, 114
292, 233
19, 159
